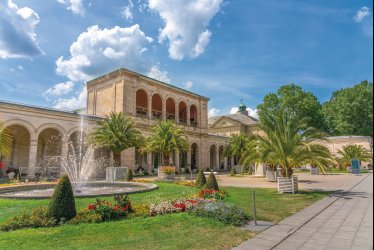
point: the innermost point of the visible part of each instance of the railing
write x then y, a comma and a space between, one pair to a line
141, 112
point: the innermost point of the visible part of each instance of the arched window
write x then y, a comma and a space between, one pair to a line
182, 113
141, 103
170, 109
156, 107
193, 116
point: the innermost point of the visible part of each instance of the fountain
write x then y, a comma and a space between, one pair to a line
79, 163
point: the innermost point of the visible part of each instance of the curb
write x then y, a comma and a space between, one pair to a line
275, 235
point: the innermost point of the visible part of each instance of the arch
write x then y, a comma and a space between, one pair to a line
213, 156
156, 106
193, 115
49, 150
55, 126
30, 128
20, 151
141, 103
182, 112
170, 108
194, 156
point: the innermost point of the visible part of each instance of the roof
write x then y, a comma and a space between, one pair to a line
121, 70
242, 118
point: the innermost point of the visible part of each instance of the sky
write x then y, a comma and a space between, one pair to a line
226, 50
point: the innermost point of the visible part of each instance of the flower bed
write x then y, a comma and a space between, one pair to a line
211, 194
111, 211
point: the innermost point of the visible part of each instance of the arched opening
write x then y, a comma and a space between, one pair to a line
194, 153
221, 158
170, 109
49, 152
78, 143
193, 116
156, 107
141, 103
19, 156
183, 161
213, 154
182, 113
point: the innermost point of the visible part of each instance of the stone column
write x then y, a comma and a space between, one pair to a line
150, 107
64, 152
177, 113
216, 167
177, 161
164, 110
128, 158
188, 116
32, 157
225, 162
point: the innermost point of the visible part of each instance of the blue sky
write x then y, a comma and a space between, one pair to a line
225, 50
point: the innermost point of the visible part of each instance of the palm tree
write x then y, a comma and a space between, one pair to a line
115, 133
349, 152
289, 142
237, 145
6, 141
165, 138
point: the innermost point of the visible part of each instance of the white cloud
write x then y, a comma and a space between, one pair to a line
72, 103
17, 31
188, 85
361, 14
20, 67
251, 112
158, 74
213, 112
98, 51
76, 6
59, 89
186, 23
127, 11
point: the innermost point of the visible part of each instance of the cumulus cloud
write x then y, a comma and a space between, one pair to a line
75, 6
59, 89
188, 85
17, 31
361, 14
158, 74
98, 51
213, 112
127, 11
186, 23
251, 112
72, 103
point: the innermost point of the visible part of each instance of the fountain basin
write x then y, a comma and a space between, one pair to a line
91, 189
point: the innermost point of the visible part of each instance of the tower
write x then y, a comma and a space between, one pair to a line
242, 108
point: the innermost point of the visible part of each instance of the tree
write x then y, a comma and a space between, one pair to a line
350, 111
349, 152
200, 179
116, 133
289, 142
294, 100
165, 138
6, 141
237, 145
62, 203
212, 182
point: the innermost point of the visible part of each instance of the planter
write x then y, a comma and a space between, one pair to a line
349, 169
288, 185
166, 172
11, 175
271, 175
314, 171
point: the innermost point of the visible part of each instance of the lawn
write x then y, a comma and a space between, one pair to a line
175, 231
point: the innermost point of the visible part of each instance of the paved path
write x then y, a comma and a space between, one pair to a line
341, 221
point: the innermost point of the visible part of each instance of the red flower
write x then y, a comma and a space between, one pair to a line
91, 207
180, 206
115, 208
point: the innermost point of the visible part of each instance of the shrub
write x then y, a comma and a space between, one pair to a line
211, 194
233, 171
29, 219
86, 216
111, 211
129, 175
141, 210
211, 182
200, 179
220, 211
62, 203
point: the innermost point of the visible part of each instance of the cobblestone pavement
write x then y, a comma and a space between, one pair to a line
341, 221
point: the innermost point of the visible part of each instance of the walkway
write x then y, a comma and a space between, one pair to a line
341, 221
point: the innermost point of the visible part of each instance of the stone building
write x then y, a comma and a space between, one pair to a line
144, 99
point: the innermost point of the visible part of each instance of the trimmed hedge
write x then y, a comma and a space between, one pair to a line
62, 203
129, 175
212, 183
200, 179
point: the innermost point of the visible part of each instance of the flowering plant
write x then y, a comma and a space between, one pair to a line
179, 205
186, 183
167, 170
211, 194
111, 211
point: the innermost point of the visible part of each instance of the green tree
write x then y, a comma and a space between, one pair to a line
200, 179
349, 152
289, 142
350, 111
295, 101
165, 138
237, 145
116, 133
6, 141
211, 183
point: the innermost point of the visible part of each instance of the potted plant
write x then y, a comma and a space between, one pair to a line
12, 172
314, 170
271, 173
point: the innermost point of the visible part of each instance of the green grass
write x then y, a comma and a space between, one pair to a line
175, 231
